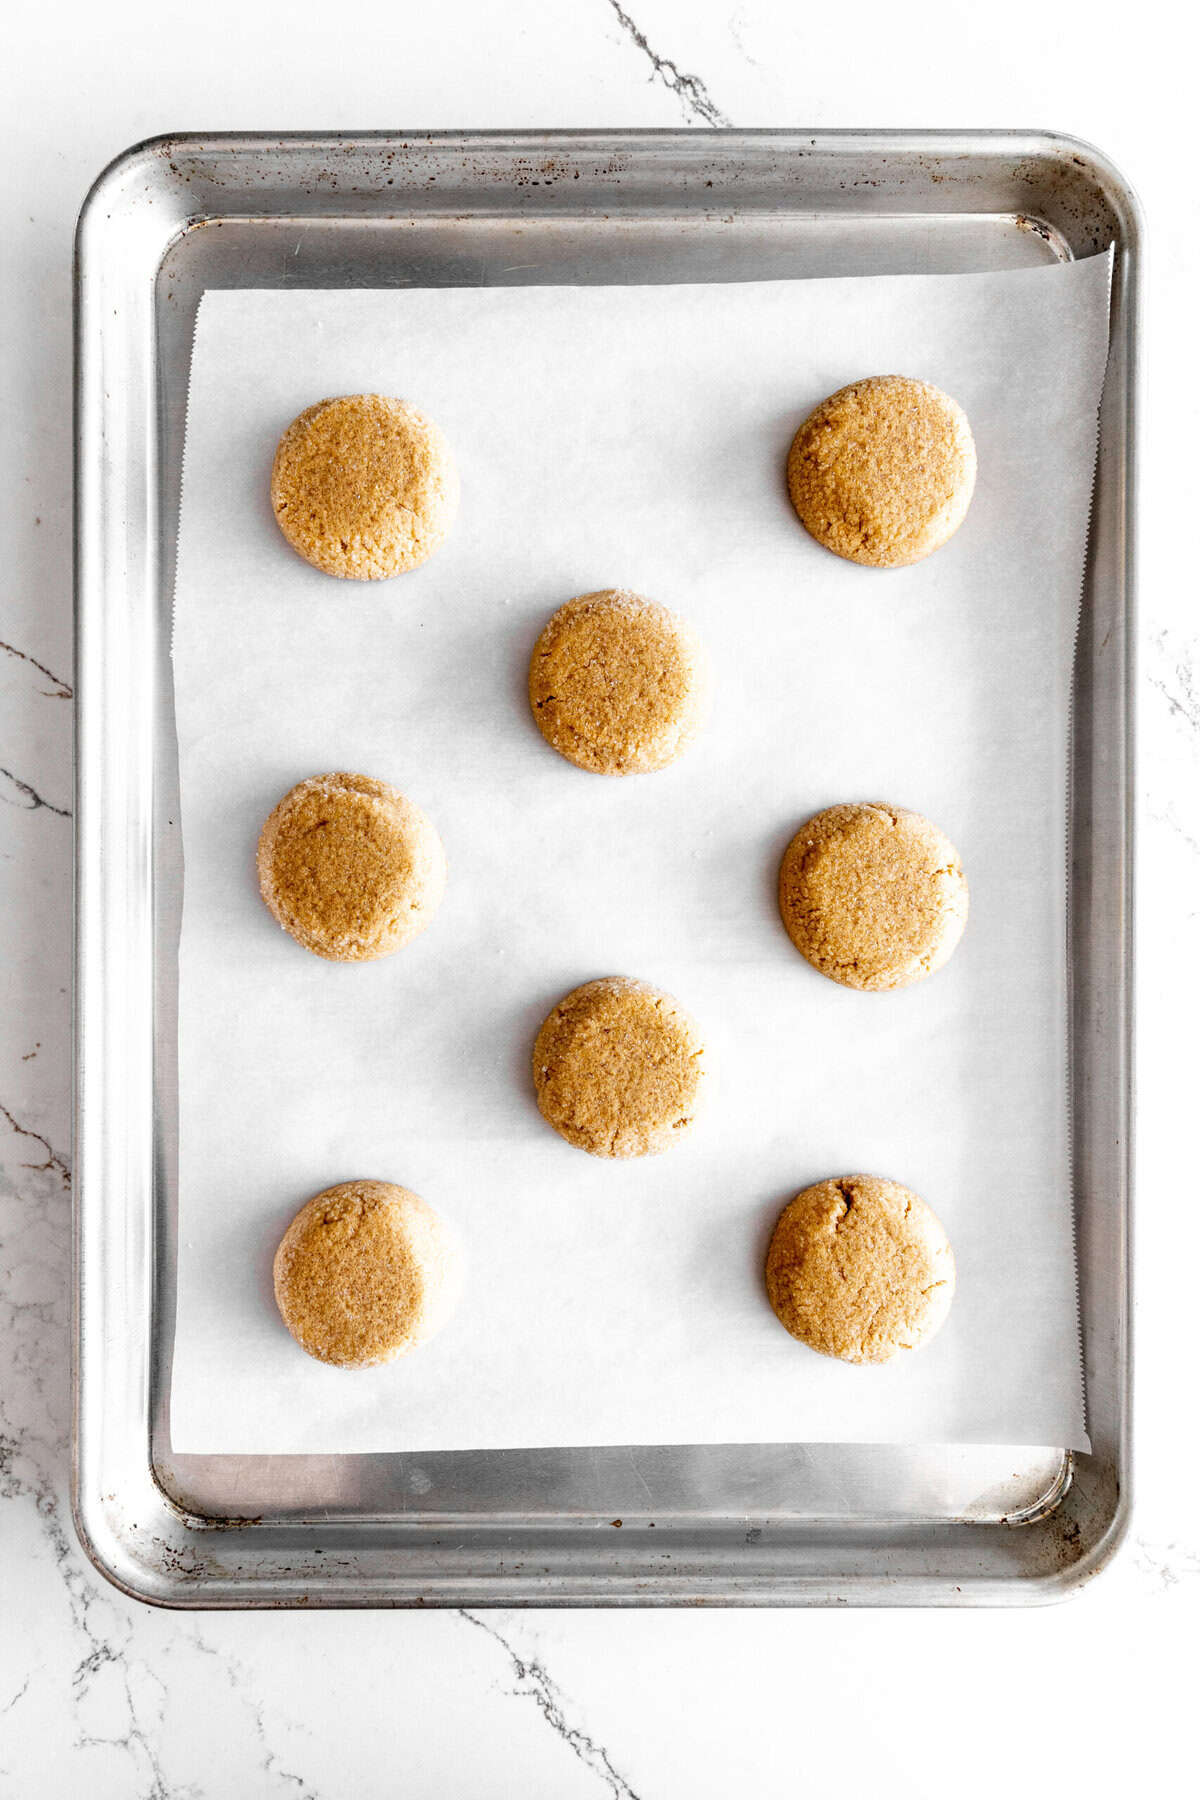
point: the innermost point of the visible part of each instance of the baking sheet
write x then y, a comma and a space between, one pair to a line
633, 436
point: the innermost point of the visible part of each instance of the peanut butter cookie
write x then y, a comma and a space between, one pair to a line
364, 486
350, 868
364, 1273
874, 896
860, 1268
619, 1068
618, 684
883, 471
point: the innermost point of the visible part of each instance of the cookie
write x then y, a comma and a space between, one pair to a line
619, 685
364, 1273
364, 486
874, 896
350, 867
883, 471
619, 1069
860, 1268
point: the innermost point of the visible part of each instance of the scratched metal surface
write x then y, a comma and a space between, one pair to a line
803, 1524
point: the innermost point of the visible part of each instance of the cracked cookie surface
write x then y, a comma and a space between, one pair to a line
872, 895
620, 1069
350, 867
364, 486
364, 1273
618, 684
860, 1268
883, 471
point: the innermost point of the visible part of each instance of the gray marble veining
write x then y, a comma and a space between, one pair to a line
106, 1698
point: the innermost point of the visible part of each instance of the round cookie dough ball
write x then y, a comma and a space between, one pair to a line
860, 1268
364, 486
350, 868
619, 1068
364, 1273
874, 896
883, 471
618, 684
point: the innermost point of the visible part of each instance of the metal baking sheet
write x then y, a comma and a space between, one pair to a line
766, 1525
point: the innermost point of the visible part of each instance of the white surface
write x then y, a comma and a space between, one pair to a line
955, 678
104, 1697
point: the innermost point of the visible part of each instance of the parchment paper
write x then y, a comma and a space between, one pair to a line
634, 437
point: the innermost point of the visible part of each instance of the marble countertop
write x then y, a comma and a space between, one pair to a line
105, 1697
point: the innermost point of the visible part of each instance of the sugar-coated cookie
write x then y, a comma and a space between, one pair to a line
618, 684
350, 867
882, 472
860, 1268
874, 896
364, 486
364, 1273
620, 1068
